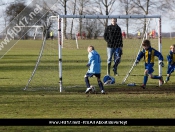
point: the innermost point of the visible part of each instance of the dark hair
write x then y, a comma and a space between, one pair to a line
92, 47
146, 43
114, 19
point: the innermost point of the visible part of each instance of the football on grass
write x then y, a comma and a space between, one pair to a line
92, 89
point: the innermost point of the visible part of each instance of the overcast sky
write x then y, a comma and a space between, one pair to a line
167, 25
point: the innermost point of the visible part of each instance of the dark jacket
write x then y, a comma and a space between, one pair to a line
113, 36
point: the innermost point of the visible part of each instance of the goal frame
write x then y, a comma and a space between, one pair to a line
34, 26
60, 41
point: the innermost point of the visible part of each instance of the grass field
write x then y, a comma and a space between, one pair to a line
120, 101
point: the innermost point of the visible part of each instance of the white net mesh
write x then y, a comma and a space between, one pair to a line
74, 54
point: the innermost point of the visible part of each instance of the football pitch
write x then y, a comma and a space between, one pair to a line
120, 101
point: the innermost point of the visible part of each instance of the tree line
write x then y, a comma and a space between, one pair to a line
92, 27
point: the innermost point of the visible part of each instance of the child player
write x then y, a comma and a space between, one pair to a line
171, 62
94, 65
148, 53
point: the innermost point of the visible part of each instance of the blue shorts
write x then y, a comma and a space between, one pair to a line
149, 67
98, 75
171, 69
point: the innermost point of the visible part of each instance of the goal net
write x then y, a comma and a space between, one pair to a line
61, 63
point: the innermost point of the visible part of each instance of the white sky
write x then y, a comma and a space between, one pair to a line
167, 25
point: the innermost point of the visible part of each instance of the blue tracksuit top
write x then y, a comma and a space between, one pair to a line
94, 62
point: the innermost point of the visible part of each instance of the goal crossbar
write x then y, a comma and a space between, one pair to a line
109, 16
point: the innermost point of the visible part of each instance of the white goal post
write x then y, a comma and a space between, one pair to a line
102, 17
36, 30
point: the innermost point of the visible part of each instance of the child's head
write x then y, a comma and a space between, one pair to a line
146, 44
90, 48
172, 48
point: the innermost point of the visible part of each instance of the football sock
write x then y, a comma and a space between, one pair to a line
145, 79
87, 82
156, 77
100, 84
167, 78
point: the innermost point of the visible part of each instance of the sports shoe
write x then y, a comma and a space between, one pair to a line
165, 81
143, 86
116, 74
102, 92
88, 90
161, 81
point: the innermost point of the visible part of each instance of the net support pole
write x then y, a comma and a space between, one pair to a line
62, 27
35, 33
60, 52
160, 46
76, 38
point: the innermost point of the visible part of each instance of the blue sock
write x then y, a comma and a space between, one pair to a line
145, 79
87, 82
167, 78
156, 77
100, 84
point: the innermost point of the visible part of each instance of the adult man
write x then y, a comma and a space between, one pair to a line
113, 37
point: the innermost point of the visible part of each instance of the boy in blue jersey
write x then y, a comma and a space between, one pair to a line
148, 53
94, 65
171, 62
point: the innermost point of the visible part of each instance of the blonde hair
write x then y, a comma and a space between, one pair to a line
172, 46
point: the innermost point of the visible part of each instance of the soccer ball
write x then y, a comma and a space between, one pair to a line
93, 89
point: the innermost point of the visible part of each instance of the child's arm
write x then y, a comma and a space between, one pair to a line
90, 56
159, 55
139, 57
169, 58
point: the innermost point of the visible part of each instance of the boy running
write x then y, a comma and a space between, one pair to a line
171, 62
148, 53
94, 65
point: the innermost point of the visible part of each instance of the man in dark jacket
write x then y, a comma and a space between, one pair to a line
113, 37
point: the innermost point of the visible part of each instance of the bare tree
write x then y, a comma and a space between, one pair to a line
81, 6
63, 3
73, 11
93, 28
12, 12
127, 7
167, 9
146, 7
166, 5
105, 7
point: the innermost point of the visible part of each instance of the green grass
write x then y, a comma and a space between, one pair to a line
120, 101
